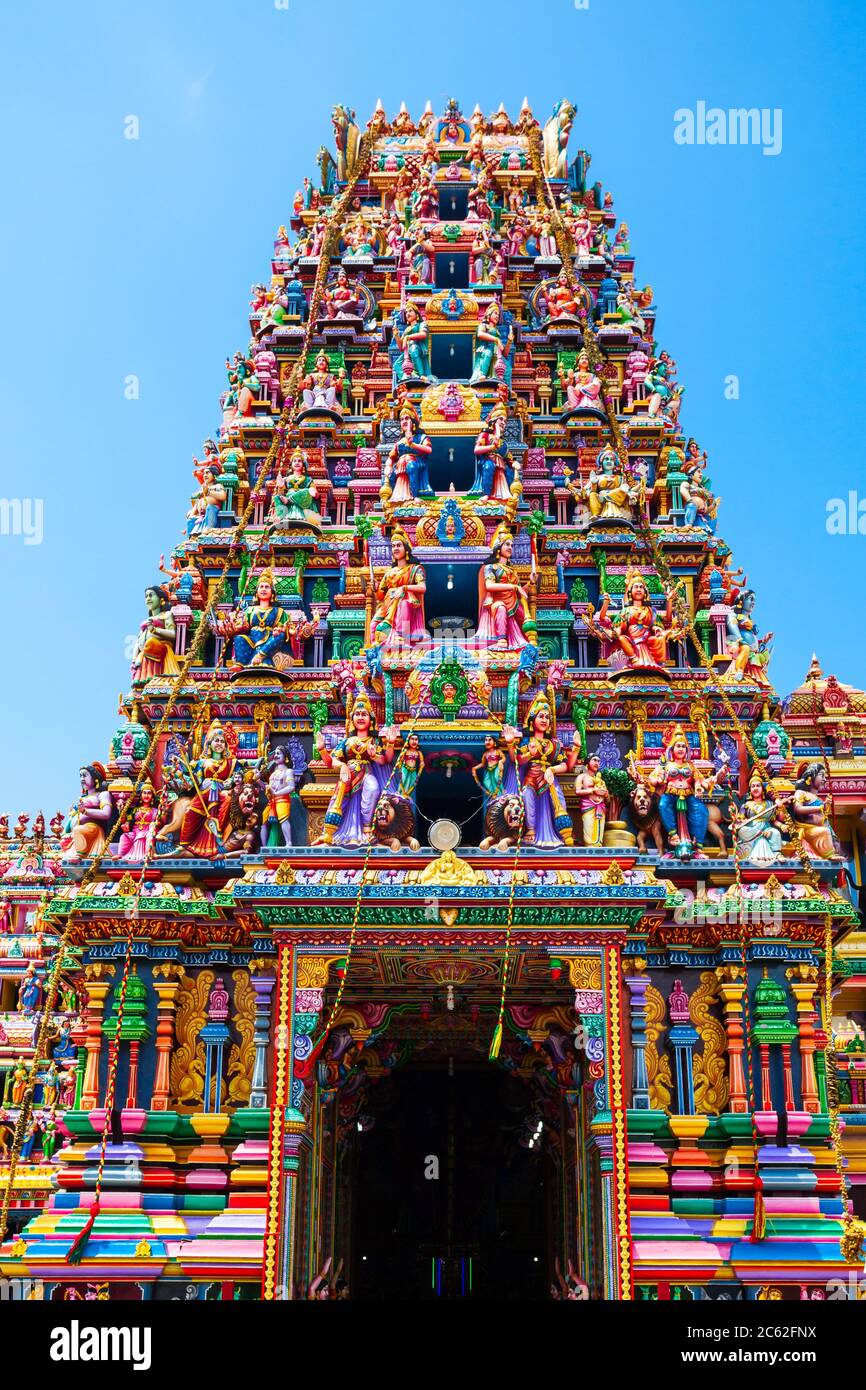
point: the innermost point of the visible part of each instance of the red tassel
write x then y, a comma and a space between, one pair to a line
759, 1221
78, 1246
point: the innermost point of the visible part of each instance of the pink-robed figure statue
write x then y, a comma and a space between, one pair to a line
503, 605
132, 843
582, 387
399, 612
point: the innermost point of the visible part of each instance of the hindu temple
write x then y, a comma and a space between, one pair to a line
456, 911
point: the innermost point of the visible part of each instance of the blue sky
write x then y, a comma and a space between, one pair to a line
121, 257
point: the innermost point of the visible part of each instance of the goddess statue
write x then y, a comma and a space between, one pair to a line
582, 387
399, 613
363, 758
294, 495
582, 231
342, 302
494, 348
561, 303
321, 387
134, 839
758, 838
635, 629
808, 809
541, 759
154, 647
414, 344
93, 816
204, 512
701, 505
211, 778
610, 495
408, 459
503, 605
259, 631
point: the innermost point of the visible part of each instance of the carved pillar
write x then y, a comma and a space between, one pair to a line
263, 987
97, 983
636, 981
732, 987
804, 983
166, 983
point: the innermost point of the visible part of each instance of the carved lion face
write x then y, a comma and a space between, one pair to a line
641, 800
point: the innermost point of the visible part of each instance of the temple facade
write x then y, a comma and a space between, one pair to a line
456, 910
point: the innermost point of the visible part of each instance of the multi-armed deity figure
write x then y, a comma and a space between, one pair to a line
363, 760
635, 628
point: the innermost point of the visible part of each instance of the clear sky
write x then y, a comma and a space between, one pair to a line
122, 257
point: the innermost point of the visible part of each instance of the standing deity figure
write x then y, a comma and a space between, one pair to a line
411, 766
399, 613
29, 991
750, 654
808, 807
280, 790
413, 360
93, 816
561, 301
407, 467
756, 832
494, 465
243, 388
610, 494
322, 386
294, 495
362, 758
494, 348
657, 385
592, 799
154, 647
582, 387
482, 255
490, 772
701, 505
634, 628
541, 760
503, 605
582, 231
260, 631
134, 840
682, 809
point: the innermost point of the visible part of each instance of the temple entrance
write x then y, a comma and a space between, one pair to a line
449, 1200
448, 792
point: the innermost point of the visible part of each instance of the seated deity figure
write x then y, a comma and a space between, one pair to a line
750, 654
259, 632
363, 758
494, 348
541, 760
610, 493
413, 360
701, 505
494, 465
808, 808
503, 604
399, 613
321, 387
755, 825
154, 647
408, 458
592, 799
341, 300
561, 301
582, 387
93, 816
205, 811
634, 629
243, 388
204, 512
294, 495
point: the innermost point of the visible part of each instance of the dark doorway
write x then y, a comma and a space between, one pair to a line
452, 270
479, 1229
453, 202
451, 356
452, 461
456, 797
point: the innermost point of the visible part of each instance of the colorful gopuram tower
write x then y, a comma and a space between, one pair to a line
456, 910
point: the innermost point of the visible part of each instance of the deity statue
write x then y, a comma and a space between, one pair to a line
341, 300
93, 816
399, 613
363, 758
582, 387
541, 759
683, 789
658, 387
561, 301
134, 839
758, 838
243, 388
750, 654
556, 133
494, 465
408, 460
29, 991
411, 766
154, 647
321, 387
503, 605
492, 773
808, 808
634, 628
204, 512
592, 799
701, 505
280, 790
204, 812
582, 232
413, 361
294, 495
494, 348
259, 632
610, 493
